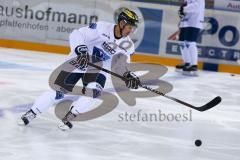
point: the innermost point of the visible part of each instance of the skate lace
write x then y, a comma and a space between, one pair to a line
29, 115
69, 116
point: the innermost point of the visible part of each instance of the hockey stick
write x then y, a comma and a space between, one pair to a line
205, 107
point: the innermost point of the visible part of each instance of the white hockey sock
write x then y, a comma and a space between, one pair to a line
44, 101
185, 52
82, 104
193, 52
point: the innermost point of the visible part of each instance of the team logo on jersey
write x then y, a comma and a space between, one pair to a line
99, 55
108, 48
93, 25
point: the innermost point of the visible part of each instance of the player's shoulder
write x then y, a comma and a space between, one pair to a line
104, 23
100, 25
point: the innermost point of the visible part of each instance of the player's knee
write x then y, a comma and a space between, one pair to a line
182, 45
186, 44
52, 95
193, 44
97, 89
59, 95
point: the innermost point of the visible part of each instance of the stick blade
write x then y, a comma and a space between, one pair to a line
210, 104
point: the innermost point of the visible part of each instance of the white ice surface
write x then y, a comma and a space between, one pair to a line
24, 75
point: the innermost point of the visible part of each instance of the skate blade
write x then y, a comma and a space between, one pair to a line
63, 127
20, 122
178, 70
190, 73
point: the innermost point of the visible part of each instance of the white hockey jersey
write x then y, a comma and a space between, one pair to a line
101, 42
194, 14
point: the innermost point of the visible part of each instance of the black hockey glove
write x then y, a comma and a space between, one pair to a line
82, 56
132, 81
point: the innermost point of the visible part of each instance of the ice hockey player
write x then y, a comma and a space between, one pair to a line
191, 15
87, 43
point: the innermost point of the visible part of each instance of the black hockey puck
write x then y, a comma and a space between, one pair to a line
198, 142
232, 74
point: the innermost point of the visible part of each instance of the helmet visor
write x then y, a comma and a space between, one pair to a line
131, 26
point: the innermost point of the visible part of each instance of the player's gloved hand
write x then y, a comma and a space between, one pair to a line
181, 13
132, 81
82, 56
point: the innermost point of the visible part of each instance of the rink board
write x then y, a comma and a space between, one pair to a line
45, 26
144, 58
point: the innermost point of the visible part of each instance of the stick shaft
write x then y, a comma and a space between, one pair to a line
207, 106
